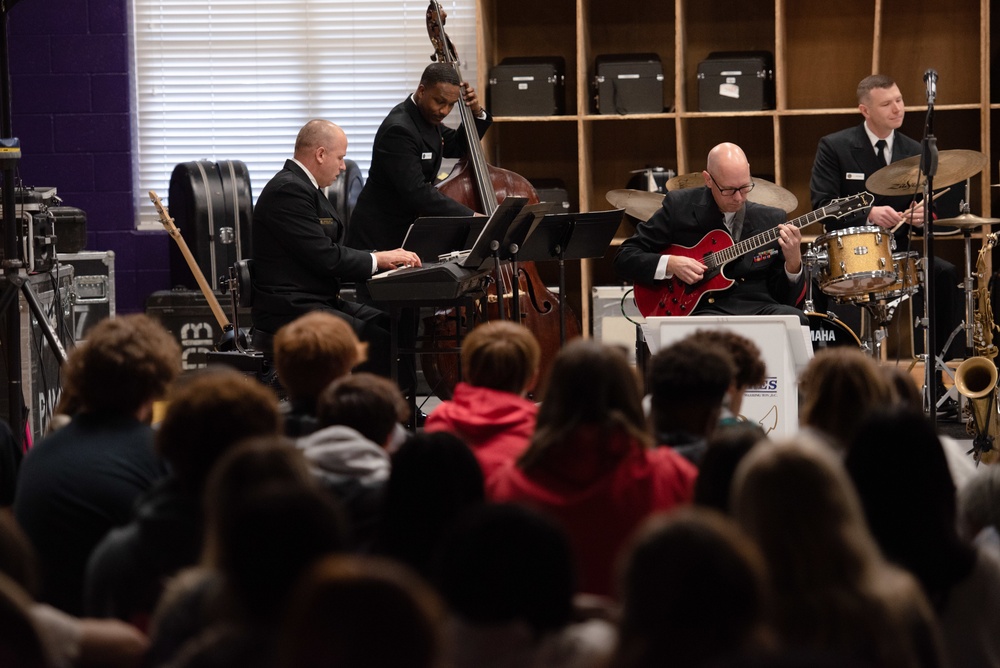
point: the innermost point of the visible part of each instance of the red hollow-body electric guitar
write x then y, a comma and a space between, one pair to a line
717, 249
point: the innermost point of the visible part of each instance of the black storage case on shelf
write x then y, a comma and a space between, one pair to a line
528, 87
628, 83
554, 190
736, 81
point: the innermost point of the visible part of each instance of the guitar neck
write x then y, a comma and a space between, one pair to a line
763, 239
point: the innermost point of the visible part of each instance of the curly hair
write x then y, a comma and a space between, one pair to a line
125, 362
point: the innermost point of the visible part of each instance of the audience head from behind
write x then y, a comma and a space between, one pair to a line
501, 355
208, 413
694, 591
592, 391
687, 382
371, 405
979, 507
506, 563
367, 611
749, 369
124, 365
434, 479
314, 350
726, 449
838, 389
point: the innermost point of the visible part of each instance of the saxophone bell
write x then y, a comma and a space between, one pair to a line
976, 380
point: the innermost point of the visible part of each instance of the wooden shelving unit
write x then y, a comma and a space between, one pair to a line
821, 52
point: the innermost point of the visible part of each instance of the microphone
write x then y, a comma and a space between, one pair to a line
930, 78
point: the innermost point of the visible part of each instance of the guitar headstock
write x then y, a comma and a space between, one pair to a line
844, 206
444, 50
165, 218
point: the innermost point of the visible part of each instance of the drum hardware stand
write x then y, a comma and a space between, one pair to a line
928, 167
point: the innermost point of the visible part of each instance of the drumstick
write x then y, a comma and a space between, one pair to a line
936, 195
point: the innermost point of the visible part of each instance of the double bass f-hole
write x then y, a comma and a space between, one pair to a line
480, 186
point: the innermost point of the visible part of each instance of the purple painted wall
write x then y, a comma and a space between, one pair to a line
69, 62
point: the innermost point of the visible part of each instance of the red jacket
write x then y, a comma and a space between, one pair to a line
496, 425
600, 492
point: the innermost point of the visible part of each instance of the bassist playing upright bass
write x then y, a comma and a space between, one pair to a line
768, 281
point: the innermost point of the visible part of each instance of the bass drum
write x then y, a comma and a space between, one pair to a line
826, 331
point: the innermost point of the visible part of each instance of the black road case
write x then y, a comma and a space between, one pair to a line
528, 87
628, 83
736, 81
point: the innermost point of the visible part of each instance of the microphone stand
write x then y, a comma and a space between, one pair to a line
928, 165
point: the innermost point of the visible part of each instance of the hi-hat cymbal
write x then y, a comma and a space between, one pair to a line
637, 203
905, 178
764, 192
966, 220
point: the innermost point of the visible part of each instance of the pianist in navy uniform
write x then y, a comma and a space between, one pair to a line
298, 248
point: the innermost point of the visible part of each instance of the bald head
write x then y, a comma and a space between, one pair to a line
727, 168
321, 146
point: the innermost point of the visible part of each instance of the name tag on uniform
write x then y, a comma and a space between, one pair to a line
326, 221
855, 176
426, 156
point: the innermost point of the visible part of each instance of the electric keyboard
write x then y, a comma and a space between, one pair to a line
433, 281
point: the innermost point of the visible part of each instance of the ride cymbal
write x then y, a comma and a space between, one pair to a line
639, 204
966, 220
764, 191
905, 178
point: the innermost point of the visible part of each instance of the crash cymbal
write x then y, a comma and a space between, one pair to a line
637, 203
905, 178
764, 192
966, 220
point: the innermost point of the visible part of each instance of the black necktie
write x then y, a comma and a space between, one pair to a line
880, 152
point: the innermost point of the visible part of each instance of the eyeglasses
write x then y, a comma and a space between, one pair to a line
729, 192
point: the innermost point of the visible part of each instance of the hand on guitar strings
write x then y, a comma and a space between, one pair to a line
686, 269
790, 241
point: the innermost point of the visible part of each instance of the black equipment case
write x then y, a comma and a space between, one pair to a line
188, 316
528, 87
629, 83
736, 81
212, 206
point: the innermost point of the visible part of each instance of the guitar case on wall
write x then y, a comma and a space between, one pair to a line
212, 206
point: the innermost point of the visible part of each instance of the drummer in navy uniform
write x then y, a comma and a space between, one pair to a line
845, 160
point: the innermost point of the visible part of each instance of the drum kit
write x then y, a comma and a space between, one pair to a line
857, 265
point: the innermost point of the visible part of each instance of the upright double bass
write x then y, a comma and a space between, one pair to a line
481, 187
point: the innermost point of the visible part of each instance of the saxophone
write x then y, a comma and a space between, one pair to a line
976, 377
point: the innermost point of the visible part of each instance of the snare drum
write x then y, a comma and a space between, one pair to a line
826, 331
909, 275
860, 261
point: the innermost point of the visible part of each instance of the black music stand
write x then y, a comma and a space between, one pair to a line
570, 236
520, 229
433, 236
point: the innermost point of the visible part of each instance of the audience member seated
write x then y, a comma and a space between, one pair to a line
83, 479
591, 464
354, 611
490, 411
434, 479
20, 640
257, 547
67, 640
694, 591
197, 598
726, 449
979, 509
359, 418
687, 382
837, 390
834, 593
750, 370
311, 352
207, 415
506, 573
899, 469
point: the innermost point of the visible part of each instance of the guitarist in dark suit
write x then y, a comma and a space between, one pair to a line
299, 255
769, 280
845, 160
406, 159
